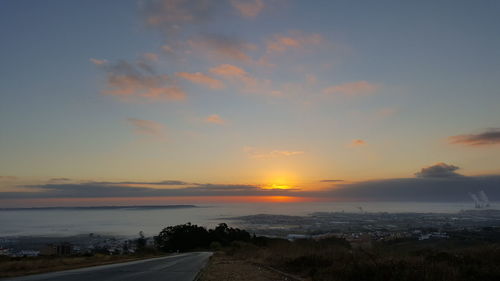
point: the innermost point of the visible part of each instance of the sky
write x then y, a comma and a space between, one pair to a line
242, 99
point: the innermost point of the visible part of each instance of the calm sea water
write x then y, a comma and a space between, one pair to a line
128, 222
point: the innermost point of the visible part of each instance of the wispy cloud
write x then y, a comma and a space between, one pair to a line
233, 72
98, 61
215, 119
134, 189
148, 128
221, 47
131, 81
255, 153
358, 88
159, 183
248, 8
7, 178
228, 70
489, 137
293, 40
59, 180
151, 57
200, 78
173, 14
243, 80
357, 142
331, 181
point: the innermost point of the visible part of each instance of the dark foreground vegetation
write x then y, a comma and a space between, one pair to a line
10, 267
468, 256
464, 255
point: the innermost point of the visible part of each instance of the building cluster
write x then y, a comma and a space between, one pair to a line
373, 226
92, 244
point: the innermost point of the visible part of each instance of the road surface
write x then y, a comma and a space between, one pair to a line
182, 267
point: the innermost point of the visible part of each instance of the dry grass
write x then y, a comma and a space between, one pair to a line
10, 267
329, 260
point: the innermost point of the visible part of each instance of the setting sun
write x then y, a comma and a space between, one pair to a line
278, 186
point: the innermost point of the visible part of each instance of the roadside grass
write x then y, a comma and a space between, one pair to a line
12, 267
333, 259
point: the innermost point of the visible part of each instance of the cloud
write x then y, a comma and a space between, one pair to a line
7, 178
447, 189
489, 137
254, 153
215, 119
357, 142
148, 128
98, 62
248, 8
437, 189
331, 181
294, 40
151, 56
173, 14
436, 183
107, 189
237, 74
59, 180
138, 80
221, 47
228, 70
438, 170
164, 182
200, 78
358, 88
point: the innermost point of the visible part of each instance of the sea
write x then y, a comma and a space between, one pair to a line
129, 220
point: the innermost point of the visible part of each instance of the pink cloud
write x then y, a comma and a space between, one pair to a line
236, 73
129, 81
357, 142
248, 8
98, 62
215, 119
148, 128
228, 70
172, 13
217, 47
244, 81
488, 137
151, 56
152, 87
352, 89
294, 40
200, 78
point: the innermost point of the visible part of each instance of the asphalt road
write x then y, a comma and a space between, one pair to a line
182, 267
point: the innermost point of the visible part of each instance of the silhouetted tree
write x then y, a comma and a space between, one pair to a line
182, 237
186, 237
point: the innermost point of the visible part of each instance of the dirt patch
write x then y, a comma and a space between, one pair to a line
225, 268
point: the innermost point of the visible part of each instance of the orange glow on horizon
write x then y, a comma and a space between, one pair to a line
129, 201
